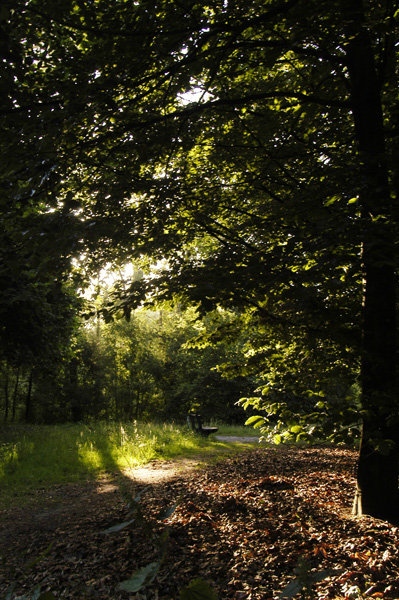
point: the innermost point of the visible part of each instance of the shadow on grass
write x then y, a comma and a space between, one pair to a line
34, 458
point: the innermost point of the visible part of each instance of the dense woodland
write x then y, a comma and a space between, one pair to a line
141, 369
243, 157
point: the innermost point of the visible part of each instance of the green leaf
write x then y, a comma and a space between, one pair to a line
296, 429
140, 578
119, 527
198, 590
291, 589
384, 447
255, 419
34, 561
332, 200
169, 511
35, 595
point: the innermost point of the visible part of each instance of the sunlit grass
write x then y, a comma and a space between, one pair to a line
34, 457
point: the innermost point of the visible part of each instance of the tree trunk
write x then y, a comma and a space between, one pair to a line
15, 395
377, 476
377, 479
28, 402
6, 396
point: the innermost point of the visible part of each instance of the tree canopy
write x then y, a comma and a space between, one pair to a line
250, 152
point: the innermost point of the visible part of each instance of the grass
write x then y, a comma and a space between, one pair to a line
236, 430
34, 457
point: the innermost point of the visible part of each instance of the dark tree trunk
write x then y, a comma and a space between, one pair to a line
28, 402
377, 480
15, 395
6, 396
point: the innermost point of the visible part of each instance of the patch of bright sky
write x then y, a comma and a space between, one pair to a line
107, 277
196, 94
110, 274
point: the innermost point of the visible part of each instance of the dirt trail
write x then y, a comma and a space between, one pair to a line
158, 471
242, 524
48, 507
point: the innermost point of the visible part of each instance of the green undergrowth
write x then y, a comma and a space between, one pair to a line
33, 457
235, 430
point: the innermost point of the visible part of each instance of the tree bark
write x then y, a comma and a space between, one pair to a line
6, 395
377, 491
15, 395
28, 401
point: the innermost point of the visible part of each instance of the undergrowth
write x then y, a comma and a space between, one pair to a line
36, 456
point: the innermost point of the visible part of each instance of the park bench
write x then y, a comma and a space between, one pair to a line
195, 423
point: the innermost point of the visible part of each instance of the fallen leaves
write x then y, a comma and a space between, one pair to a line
243, 525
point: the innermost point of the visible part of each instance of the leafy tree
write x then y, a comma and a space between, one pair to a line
37, 320
146, 368
38, 301
273, 187
190, 379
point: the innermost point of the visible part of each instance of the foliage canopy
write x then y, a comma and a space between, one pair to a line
251, 148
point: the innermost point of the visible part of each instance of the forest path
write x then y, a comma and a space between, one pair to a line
164, 470
47, 506
243, 523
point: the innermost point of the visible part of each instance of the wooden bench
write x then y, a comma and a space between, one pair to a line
195, 423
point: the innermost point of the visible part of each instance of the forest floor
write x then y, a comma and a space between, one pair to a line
244, 524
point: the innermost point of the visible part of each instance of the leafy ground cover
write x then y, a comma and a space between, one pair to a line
245, 525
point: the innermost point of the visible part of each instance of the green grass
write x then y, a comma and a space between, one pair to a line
236, 430
34, 457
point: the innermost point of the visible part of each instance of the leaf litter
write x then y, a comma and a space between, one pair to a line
252, 527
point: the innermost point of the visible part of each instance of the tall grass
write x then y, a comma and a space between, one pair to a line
33, 457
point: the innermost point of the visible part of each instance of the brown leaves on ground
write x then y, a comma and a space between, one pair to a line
243, 525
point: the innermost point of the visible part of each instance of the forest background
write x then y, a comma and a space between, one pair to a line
244, 160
